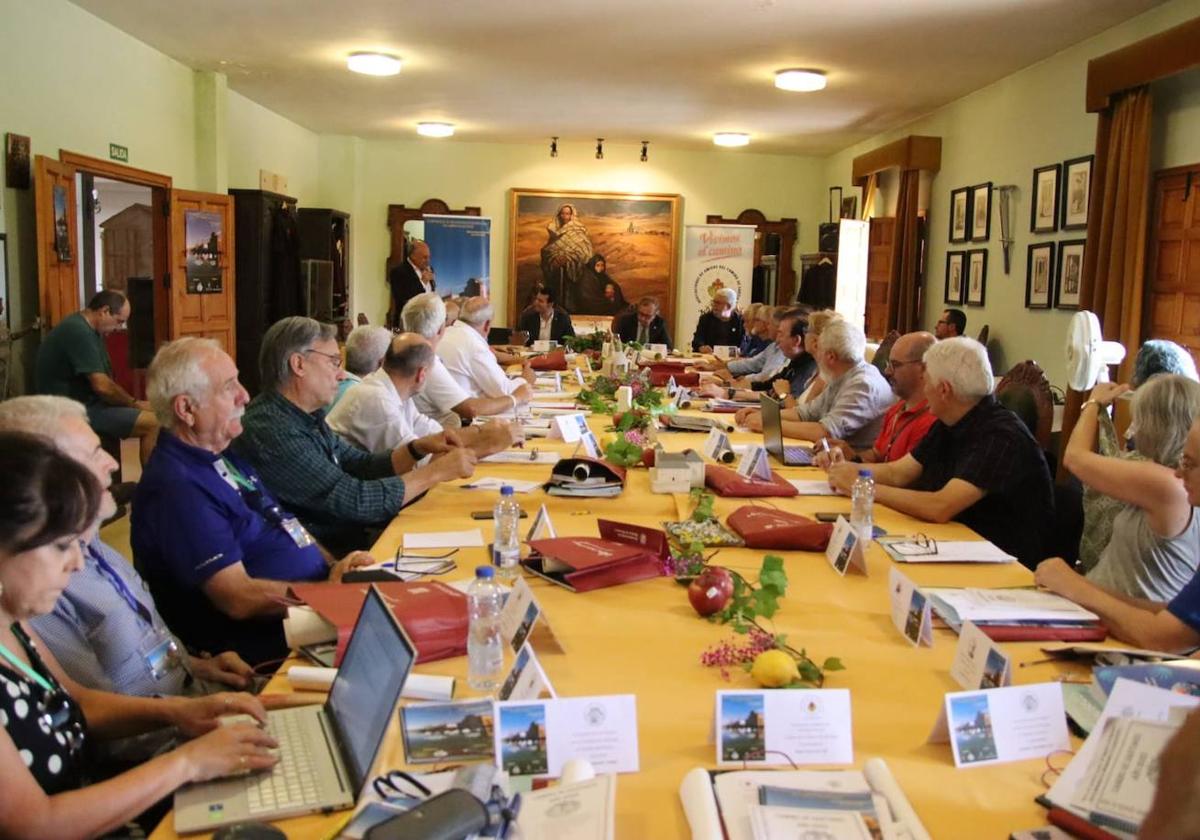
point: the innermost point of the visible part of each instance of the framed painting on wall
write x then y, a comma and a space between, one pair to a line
976, 276
1043, 210
1039, 272
1070, 274
954, 276
960, 214
1076, 192
598, 251
981, 212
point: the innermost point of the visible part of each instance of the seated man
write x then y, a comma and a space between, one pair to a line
855, 398
792, 378
721, 325
442, 398
105, 629
952, 324
643, 325
906, 422
365, 347
340, 493
1173, 626
763, 365
977, 465
215, 546
381, 415
465, 352
545, 321
73, 361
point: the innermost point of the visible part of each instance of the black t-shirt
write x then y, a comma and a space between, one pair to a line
711, 331
991, 449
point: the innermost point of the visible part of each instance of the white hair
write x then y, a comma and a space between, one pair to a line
844, 339
39, 414
962, 363
365, 347
424, 314
176, 370
476, 311
727, 295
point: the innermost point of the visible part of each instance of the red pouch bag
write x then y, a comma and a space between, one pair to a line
554, 360
726, 482
764, 527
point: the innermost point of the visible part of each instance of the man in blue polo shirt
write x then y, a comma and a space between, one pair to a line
204, 525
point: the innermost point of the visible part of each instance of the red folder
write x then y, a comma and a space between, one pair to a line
651, 540
582, 564
659, 377
1033, 633
433, 614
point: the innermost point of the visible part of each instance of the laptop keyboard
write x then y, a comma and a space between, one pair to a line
291, 783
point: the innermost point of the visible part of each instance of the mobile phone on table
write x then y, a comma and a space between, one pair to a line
829, 517
487, 514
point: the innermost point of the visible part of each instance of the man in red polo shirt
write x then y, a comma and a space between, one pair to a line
909, 419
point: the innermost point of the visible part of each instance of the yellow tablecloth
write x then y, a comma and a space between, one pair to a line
645, 639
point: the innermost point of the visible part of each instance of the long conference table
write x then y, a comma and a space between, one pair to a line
645, 639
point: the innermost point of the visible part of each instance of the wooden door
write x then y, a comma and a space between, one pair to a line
1173, 279
203, 305
881, 260
57, 240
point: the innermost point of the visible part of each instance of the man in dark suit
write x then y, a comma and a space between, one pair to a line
544, 321
643, 324
409, 279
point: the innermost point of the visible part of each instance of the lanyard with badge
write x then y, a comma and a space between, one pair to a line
257, 501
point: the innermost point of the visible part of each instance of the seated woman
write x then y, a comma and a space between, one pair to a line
48, 503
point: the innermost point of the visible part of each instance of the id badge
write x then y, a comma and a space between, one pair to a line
160, 654
297, 532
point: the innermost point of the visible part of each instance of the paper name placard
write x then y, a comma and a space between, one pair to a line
911, 610
717, 446
590, 445
754, 463
541, 346
522, 618
767, 728
526, 680
438, 732
1003, 724
579, 377
672, 387
978, 661
542, 528
845, 550
537, 738
568, 427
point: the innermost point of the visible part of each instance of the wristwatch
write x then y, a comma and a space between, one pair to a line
729, 392
413, 451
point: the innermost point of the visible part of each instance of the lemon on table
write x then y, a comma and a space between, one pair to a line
774, 669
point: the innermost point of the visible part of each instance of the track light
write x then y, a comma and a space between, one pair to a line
553, 147
599, 148
645, 154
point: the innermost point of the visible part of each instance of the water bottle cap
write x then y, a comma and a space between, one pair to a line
484, 572
864, 473
506, 490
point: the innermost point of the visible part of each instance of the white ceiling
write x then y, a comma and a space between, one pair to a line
670, 71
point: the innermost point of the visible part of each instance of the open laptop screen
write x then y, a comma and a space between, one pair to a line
367, 686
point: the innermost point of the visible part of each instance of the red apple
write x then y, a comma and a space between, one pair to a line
711, 590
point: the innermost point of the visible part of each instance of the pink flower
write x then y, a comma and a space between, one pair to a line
636, 437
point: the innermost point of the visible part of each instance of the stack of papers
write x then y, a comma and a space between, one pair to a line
444, 539
717, 404
1009, 615
592, 487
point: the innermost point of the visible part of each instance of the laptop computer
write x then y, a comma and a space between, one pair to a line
772, 423
325, 752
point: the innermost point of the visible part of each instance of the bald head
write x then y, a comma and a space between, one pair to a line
906, 367
408, 357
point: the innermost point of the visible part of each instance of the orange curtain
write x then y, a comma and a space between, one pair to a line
1114, 259
903, 291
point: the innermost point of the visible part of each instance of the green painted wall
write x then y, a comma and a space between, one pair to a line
259, 138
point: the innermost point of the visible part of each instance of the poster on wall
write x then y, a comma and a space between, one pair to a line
597, 251
62, 225
202, 240
714, 257
460, 250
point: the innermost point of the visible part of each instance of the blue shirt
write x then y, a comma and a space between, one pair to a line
1186, 605
189, 522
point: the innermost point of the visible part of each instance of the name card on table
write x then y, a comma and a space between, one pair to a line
579, 377
538, 738
434, 733
590, 445
911, 611
1003, 724
540, 346
845, 549
568, 427
717, 447
672, 387
782, 727
526, 680
978, 661
522, 618
754, 463
542, 528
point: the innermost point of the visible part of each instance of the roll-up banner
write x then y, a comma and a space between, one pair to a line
714, 257
459, 253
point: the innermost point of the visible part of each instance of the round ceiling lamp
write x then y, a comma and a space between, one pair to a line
731, 138
373, 63
800, 79
435, 129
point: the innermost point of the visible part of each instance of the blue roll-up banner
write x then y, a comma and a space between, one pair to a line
459, 253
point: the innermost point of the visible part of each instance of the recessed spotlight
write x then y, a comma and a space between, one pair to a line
731, 138
435, 129
373, 63
799, 79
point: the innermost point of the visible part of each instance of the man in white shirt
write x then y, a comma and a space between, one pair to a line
380, 415
464, 350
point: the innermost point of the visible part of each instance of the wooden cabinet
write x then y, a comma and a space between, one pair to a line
325, 237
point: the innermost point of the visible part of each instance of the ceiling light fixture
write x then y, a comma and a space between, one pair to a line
553, 147
800, 79
435, 129
373, 63
645, 153
599, 148
731, 138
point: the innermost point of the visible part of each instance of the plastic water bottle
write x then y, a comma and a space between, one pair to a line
485, 654
862, 506
506, 546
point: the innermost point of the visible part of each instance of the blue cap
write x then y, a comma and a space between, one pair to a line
485, 572
864, 474
505, 490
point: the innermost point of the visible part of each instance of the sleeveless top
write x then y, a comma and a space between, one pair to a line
1139, 563
47, 727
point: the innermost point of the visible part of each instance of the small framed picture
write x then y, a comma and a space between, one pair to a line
835, 203
850, 207
976, 276
955, 261
18, 162
1039, 271
1076, 192
1070, 274
981, 212
1043, 212
960, 215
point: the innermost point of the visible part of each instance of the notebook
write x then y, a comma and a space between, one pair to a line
772, 423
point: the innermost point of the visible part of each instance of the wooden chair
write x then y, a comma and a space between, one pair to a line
983, 335
1029, 375
884, 351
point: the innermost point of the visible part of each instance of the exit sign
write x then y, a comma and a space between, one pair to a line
120, 153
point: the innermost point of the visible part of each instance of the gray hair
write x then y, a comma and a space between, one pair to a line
963, 363
424, 314
727, 295
39, 414
476, 311
284, 339
406, 356
177, 369
1161, 356
365, 347
1163, 411
844, 339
